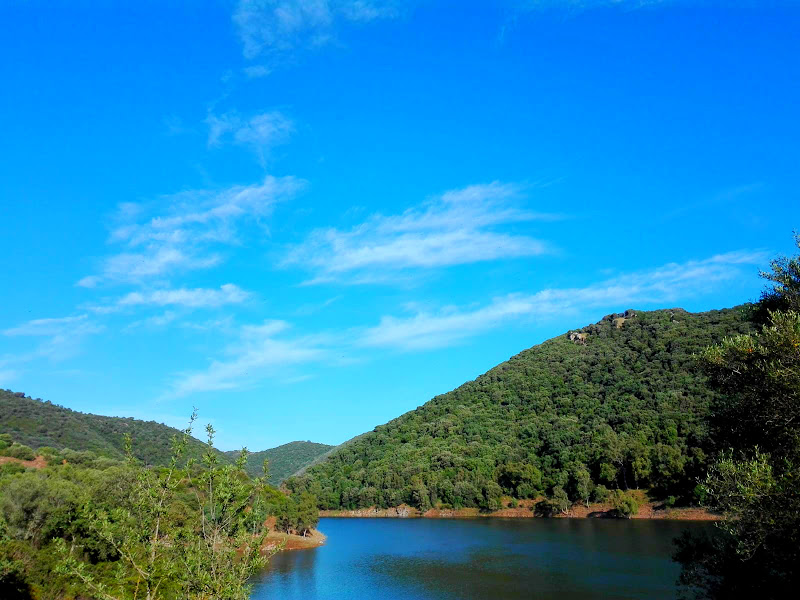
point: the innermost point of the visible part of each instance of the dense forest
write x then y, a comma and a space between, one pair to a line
615, 405
37, 423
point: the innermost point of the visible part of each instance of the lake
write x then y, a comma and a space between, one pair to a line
425, 559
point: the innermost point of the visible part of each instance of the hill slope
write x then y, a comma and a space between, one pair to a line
38, 423
284, 460
622, 404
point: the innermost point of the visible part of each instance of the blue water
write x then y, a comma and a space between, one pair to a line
422, 559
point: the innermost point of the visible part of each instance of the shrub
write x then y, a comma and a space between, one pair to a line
625, 503
600, 493
20, 451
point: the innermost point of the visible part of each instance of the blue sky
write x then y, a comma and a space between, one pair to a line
307, 217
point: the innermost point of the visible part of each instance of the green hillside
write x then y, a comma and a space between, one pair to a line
284, 460
616, 404
38, 423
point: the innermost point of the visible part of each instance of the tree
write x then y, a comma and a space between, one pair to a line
625, 503
755, 481
583, 483
175, 533
561, 500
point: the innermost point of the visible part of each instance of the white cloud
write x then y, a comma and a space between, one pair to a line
280, 25
186, 231
260, 351
192, 298
260, 132
665, 284
451, 229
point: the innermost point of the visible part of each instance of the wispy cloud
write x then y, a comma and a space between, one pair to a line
260, 351
270, 26
457, 227
186, 230
193, 298
667, 284
260, 132
270, 350
62, 336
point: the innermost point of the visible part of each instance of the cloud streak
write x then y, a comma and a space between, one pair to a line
269, 349
670, 283
191, 298
185, 234
457, 227
260, 351
62, 337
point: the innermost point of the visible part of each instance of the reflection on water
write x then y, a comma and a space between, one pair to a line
422, 559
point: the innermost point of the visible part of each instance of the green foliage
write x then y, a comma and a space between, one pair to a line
296, 515
112, 530
628, 407
20, 451
625, 503
284, 460
77, 437
37, 423
755, 480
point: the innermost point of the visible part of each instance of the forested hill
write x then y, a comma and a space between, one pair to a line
38, 423
284, 460
617, 404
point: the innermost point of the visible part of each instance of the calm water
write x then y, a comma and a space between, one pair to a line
422, 559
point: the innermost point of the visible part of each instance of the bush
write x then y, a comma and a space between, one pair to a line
11, 468
625, 503
20, 451
600, 493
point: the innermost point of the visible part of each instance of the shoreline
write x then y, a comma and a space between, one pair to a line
647, 511
290, 541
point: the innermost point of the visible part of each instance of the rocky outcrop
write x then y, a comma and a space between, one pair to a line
577, 337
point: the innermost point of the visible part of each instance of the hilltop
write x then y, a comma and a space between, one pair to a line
616, 404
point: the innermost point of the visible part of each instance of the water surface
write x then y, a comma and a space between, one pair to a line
425, 559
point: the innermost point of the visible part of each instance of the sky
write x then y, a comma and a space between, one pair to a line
307, 217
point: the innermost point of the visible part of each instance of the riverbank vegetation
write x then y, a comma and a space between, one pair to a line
85, 526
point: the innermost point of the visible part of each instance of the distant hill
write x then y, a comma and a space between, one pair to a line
284, 460
617, 404
38, 423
